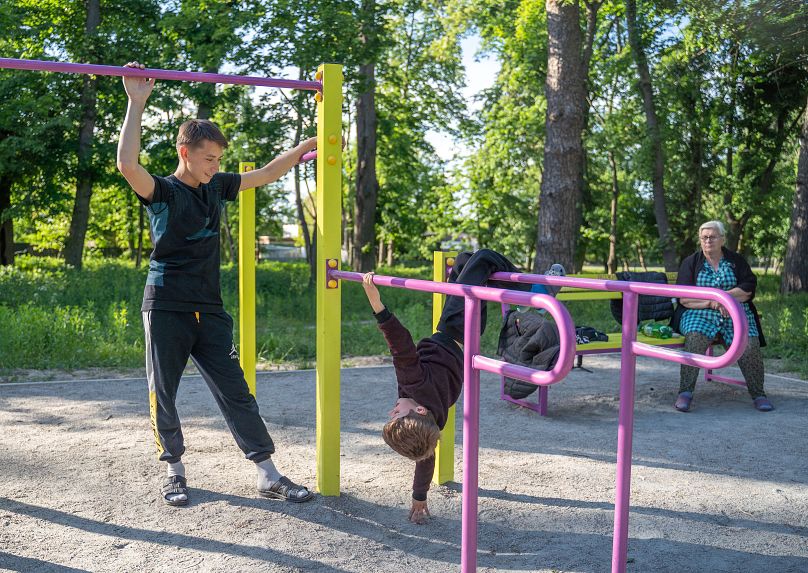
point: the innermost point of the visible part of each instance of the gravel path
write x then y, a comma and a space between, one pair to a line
720, 489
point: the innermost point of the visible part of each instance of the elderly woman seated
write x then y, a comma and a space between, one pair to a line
703, 322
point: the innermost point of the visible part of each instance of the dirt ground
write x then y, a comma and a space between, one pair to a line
719, 489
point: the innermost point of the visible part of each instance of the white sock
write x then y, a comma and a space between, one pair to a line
268, 474
176, 469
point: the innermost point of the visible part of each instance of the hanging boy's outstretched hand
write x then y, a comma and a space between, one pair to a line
374, 298
419, 512
138, 89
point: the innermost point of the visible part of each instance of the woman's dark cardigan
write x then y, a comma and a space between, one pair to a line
689, 271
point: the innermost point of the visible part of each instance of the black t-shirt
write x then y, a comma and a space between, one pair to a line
184, 265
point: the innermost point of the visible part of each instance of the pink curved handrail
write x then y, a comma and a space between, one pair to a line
740, 325
101, 70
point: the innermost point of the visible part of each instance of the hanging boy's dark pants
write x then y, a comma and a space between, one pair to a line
474, 269
207, 338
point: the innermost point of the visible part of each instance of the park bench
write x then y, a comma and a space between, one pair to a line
613, 346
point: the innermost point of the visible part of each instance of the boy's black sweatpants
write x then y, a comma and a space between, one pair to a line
474, 269
207, 338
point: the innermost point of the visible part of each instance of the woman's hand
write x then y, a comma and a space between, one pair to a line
715, 305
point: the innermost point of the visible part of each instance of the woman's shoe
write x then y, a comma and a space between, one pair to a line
762, 404
683, 401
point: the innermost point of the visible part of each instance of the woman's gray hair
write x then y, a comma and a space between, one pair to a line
717, 225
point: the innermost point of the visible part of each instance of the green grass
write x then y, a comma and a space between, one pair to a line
52, 317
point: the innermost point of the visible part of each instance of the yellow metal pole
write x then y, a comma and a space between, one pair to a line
329, 314
246, 279
444, 454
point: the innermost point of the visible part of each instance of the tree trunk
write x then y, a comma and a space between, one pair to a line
207, 96
367, 186
611, 264
565, 93
380, 253
74, 247
795, 273
6, 226
641, 257
301, 213
763, 183
654, 136
585, 199
390, 253
693, 215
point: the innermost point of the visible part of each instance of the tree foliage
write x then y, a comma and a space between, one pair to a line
730, 79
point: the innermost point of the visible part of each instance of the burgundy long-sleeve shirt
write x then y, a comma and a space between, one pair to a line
430, 373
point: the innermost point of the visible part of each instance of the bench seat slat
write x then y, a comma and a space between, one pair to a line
615, 343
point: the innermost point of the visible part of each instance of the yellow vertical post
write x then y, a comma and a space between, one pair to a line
444, 454
246, 279
329, 313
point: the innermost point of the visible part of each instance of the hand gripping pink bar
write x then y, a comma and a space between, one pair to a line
99, 70
308, 156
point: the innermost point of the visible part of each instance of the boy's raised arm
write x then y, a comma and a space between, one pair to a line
278, 167
138, 90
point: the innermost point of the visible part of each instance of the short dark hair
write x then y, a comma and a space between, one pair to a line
194, 131
414, 436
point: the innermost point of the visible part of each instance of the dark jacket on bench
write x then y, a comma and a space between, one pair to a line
689, 271
527, 339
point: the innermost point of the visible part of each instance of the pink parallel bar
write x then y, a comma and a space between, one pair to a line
625, 432
100, 70
566, 328
308, 156
471, 437
740, 326
551, 305
537, 377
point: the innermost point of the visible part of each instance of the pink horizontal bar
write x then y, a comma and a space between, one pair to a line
308, 156
524, 403
566, 328
537, 377
99, 70
740, 325
725, 380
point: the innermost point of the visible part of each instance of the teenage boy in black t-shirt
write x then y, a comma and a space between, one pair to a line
183, 315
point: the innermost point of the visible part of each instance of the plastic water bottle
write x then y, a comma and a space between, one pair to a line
656, 330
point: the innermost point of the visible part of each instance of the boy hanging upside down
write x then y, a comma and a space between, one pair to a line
430, 375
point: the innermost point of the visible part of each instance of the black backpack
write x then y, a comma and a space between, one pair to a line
651, 307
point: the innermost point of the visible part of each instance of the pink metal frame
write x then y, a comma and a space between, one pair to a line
543, 392
99, 70
628, 361
473, 363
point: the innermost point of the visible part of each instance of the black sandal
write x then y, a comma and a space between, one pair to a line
173, 485
286, 490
